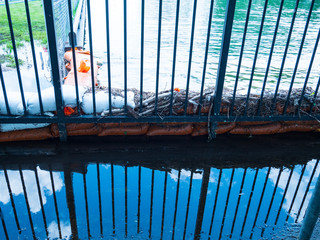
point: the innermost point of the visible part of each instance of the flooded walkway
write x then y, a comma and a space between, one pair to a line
138, 188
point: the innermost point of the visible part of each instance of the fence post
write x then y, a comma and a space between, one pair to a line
312, 214
226, 37
202, 202
53, 52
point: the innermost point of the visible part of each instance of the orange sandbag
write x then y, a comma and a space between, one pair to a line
253, 123
115, 125
257, 129
298, 128
79, 126
26, 135
180, 110
83, 69
279, 108
224, 128
204, 109
77, 129
170, 129
125, 129
202, 128
312, 122
54, 130
95, 130
224, 109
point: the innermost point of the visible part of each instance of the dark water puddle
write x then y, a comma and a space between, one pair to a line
234, 188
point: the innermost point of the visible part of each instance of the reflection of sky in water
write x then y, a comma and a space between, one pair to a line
184, 35
131, 216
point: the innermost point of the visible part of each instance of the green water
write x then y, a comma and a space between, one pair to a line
183, 46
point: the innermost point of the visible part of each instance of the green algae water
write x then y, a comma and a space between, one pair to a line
201, 26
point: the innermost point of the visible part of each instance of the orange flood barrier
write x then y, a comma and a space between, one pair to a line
123, 129
163, 129
83, 69
26, 135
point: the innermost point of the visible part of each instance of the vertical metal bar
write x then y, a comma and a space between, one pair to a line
164, 202
151, 203
309, 70
55, 199
256, 54
206, 56
176, 205
27, 203
240, 56
271, 202
307, 190
188, 204
228, 22
226, 206
215, 201
139, 200
40, 200
260, 201
99, 196
16, 59
4, 225
11, 199
284, 196
70, 201
190, 55
34, 55
202, 201
141, 54
91, 58
296, 191
250, 198
284, 57
174, 54
270, 56
108, 55
158, 57
298, 58
112, 186
4, 92
74, 55
126, 199
312, 214
125, 53
53, 51
86, 200
239, 198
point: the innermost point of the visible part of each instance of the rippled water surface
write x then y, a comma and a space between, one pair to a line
200, 35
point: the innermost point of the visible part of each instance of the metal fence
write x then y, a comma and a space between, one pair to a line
301, 106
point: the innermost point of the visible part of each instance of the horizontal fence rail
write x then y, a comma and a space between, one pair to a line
167, 203
265, 73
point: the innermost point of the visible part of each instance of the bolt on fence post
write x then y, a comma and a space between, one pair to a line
226, 37
53, 53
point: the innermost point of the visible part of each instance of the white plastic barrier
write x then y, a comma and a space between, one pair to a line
49, 102
102, 101
14, 102
118, 101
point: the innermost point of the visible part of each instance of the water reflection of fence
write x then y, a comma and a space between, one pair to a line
267, 106
122, 201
